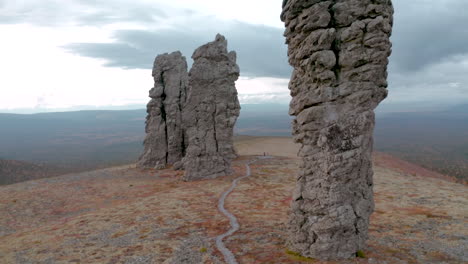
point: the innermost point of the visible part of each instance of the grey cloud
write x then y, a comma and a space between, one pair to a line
129, 57
425, 33
83, 12
107, 12
261, 50
108, 17
429, 53
435, 86
428, 32
34, 13
429, 40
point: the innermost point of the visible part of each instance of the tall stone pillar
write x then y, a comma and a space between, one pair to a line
164, 143
211, 111
339, 50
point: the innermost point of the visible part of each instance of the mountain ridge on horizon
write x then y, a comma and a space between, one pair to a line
92, 139
383, 109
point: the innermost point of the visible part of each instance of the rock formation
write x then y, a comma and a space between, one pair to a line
211, 111
339, 50
164, 143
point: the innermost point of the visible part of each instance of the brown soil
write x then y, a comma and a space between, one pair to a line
274, 146
127, 215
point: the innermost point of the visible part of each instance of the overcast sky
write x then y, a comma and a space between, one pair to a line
84, 54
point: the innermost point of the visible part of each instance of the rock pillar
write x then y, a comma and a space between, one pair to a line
339, 50
164, 143
211, 111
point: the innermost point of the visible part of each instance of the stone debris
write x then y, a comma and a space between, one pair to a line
339, 50
194, 249
164, 143
211, 111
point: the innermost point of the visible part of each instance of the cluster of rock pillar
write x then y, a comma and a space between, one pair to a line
339, 51
191, 116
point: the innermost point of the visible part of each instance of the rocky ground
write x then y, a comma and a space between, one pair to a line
128, 215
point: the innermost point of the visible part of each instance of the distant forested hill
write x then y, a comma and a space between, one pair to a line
85, 140
437, 141
13, 171
82, 140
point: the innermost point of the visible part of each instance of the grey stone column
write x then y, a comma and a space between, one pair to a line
164, 143
339, 50
211, 111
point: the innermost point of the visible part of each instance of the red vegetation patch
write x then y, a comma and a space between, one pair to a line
388, 161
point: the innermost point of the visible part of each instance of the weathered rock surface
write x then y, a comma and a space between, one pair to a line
211, 111
164, 142
339, 50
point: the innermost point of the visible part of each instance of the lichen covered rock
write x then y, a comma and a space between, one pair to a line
164, 143
339, 50
211, 111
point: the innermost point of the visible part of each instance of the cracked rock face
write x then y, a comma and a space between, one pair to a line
211, 111
339, 50
164, 143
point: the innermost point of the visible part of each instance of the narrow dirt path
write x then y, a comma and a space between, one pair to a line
228, 256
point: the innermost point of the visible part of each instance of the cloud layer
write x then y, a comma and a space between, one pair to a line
428, 32
261, 51
428, 64
427, 36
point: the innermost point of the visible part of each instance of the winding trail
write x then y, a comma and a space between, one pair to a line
228, 256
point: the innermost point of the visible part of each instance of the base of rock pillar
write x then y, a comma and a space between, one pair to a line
206, 168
